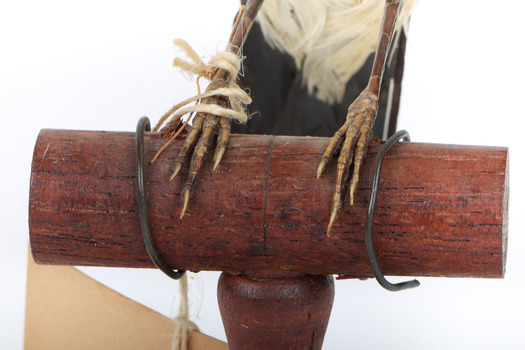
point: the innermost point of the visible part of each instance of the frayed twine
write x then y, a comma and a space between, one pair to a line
193, 64
183, 326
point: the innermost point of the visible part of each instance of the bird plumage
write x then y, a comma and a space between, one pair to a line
306, 62
329, 40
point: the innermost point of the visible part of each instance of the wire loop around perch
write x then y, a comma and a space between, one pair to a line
142, 126
369, 241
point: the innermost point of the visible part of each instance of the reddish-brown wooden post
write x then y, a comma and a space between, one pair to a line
280, 313
442, 211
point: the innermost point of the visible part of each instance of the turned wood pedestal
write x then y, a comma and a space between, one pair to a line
283, 313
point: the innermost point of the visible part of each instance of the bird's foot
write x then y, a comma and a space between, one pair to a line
352, 139
198, 142
223, 99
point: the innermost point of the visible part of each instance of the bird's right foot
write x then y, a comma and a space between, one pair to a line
198, 142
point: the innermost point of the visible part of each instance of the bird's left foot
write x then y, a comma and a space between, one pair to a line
354, 136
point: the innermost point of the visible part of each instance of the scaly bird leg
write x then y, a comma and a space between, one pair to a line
205, 126
355, 134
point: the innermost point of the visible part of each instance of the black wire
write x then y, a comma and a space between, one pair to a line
402, 134
142, 126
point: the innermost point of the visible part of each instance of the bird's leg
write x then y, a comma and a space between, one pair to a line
205, 126
353, 137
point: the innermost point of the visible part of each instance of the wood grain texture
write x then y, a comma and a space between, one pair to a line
442, 209
286, 313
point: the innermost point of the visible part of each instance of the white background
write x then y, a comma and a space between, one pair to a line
100, 65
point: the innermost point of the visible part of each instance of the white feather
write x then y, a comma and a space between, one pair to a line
329, 39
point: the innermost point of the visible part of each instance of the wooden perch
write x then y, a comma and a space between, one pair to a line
442, 209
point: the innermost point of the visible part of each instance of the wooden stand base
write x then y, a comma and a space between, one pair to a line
284, 313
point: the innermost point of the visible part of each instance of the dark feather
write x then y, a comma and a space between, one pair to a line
282, 106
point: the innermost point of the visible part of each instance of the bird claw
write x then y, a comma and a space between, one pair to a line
199, 140
352, 139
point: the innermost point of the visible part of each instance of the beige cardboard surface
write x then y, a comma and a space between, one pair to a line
65, 309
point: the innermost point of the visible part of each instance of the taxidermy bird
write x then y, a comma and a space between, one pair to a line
313, 67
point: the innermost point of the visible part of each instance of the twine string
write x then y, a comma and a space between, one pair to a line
193, 64
183, 326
